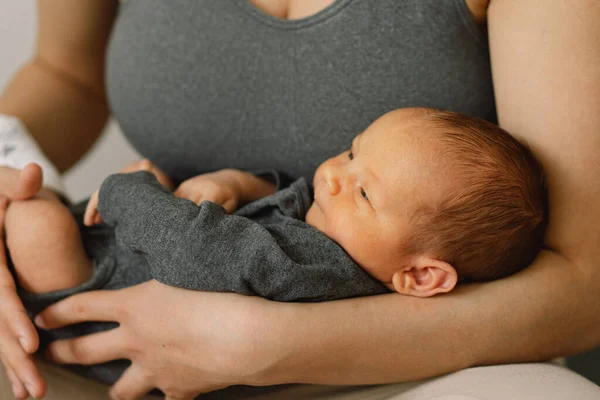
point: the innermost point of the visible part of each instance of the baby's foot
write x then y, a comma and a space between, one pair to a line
45, 245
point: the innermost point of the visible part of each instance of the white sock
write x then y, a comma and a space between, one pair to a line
18, 148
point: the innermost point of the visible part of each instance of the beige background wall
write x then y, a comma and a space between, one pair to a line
17, 42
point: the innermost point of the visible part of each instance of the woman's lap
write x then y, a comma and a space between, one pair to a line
516, 381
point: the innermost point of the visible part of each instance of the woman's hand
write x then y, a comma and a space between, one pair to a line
180, 341
18, 337
220, 187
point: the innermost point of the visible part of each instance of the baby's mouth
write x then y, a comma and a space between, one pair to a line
317, 190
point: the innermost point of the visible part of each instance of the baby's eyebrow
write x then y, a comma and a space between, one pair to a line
374, 178
355, 140
376, 189
375, 186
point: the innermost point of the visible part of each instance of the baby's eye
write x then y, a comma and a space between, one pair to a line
364, 194
350, 155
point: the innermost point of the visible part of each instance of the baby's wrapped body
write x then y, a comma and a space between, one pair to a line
265, 248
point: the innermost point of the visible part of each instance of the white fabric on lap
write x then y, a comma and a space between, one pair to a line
18, 148
542, 381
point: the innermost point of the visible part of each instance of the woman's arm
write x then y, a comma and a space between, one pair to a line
59, 95
545, 59
545, 62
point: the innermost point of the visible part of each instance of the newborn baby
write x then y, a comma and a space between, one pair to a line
422, 199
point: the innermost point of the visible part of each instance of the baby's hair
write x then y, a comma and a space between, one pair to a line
492, 222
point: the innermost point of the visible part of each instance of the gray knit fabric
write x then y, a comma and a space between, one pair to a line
265, 248
200, 85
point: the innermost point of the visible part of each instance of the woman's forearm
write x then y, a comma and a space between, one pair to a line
60, 95
55, 112
393, 338
550, 102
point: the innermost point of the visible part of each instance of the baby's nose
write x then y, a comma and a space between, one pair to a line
334, 186
333, 181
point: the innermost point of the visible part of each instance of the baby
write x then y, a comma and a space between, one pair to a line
421, 200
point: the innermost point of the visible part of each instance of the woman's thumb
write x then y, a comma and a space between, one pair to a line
27, 183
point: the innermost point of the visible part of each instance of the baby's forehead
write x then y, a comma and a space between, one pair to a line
416, 123
411, 173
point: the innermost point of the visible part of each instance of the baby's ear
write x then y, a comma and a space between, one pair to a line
424, 277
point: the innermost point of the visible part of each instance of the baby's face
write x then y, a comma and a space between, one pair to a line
365, 196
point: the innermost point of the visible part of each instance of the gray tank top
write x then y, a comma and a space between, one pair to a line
199, 85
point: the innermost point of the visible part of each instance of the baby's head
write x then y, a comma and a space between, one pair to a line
424, 198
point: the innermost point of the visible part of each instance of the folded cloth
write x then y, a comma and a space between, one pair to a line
18, 148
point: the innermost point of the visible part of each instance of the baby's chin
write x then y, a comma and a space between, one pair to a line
314, 216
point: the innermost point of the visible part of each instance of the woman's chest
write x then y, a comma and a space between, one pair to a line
297, 9
291, 9
200, 85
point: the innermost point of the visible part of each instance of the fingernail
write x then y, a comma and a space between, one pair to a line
23, 342
29, 389
39, 321
14, 388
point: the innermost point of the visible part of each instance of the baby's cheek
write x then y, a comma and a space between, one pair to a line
346, 232
366, 245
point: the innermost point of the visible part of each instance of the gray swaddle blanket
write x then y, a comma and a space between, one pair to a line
264, 248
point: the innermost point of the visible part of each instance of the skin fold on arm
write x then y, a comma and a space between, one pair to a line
545, 61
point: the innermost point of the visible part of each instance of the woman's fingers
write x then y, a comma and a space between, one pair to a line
30, 181
90, 349
23, 366
98, 305
22, 328
17, 334
13, 313
17, 322
21, 184
17, 386
132, 385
